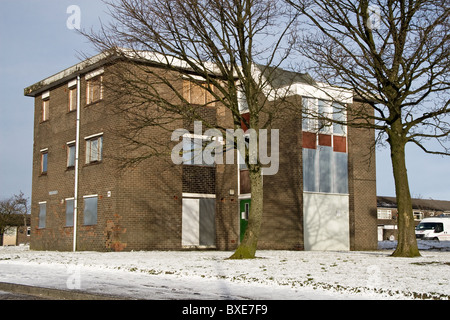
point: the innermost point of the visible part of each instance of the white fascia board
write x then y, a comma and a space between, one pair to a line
67, 73
46, 95
94, 73
72, 83
325, 92
319, 91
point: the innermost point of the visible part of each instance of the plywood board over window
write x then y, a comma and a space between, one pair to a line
197, 93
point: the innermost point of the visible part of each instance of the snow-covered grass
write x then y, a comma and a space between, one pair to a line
373, 274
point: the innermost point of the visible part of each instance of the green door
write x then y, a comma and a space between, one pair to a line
243, 215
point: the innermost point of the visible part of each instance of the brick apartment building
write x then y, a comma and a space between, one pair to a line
322, 198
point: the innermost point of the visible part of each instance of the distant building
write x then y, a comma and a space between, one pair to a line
322, 198
422, 208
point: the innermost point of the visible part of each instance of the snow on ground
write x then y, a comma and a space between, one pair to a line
210, 275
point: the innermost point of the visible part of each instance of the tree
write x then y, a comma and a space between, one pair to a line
13, 213
218, 46
394, 55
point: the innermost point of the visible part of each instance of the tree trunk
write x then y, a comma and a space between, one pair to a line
247, 247
407, 243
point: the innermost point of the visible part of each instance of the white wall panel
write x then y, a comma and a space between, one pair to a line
326, 221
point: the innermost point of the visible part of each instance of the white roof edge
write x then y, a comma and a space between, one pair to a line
320, 91
64, 74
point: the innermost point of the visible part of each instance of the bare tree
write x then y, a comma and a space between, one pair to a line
13, 213
216, 45
394, 55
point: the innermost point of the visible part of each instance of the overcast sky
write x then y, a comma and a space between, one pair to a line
35, 43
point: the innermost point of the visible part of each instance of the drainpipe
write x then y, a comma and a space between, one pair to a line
77, 152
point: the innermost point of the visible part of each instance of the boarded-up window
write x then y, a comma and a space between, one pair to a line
94, 89
45, 109
72, 99
197, 93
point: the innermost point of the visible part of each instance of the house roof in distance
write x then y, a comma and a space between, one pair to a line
419, 204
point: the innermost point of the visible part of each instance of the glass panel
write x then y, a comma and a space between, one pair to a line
71, 156
338, 115
42, 214
308, 107
44, 162
100, 149
309, 170
94, 150
69, 212
88, 151
187, 151
325, 158
323, 111
90, 211
340, 184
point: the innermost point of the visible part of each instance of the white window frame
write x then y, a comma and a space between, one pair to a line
98, 155
70, 144
45, 108
44, 152
385, 214
73, 209
42, 220
96, 75
311, 123
72, 105
84, 210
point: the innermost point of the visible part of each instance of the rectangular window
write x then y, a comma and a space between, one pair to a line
309, 170
70, 154
338, 115
44, 161
94, 89
45, 109
325, 170
72, 99
195, 151
195, 93
325, 178
90, 210
42, 214
308, 108
324, 114
94, 148
69, 212
384, 214
316, 113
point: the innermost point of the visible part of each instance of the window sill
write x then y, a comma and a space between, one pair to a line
93, 163
93, 103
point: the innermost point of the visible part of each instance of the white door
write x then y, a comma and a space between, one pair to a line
190, 225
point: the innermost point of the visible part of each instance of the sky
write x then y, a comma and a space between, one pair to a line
36, 42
